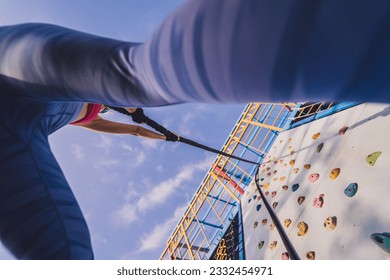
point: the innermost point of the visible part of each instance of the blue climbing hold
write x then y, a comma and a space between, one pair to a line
249, 200
295, 187
254, 197
258, 207
351, 190
382, 240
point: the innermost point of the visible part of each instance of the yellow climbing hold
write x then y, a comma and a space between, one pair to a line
266, 186
372, 158
334, 173
292, 162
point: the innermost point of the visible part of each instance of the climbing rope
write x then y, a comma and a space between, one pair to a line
286, 241
139, 117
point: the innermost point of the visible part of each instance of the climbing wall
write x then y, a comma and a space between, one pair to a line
328, 182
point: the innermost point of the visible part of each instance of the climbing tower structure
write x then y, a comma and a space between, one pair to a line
307, 154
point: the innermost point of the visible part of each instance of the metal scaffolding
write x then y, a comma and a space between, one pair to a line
216, 201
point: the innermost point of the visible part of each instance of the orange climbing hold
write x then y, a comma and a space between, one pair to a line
302, 228
311, 255
292, 162
307, 166
287, 223
315, 136
272, 246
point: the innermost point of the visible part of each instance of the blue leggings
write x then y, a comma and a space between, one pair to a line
218, 51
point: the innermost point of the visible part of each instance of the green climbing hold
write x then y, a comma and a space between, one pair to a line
260, 245
319, 147
372, 158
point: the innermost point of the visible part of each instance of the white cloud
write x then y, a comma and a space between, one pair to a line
165, 189
77, 151
105, 142
160, 233
105, 163
150, 143
186, 123
133, 208
141, 157
126, 147
126, 214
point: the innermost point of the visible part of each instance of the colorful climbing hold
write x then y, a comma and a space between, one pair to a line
315, 136
260, 245
249, 200
274, 205
292, 152
266, 193
285, 256
334, 173
289, 140
343, 130
264, 222
301, 199
314, 177
296, 170
285, 187
272, 246
282, 178
318, 201
273, 194
275, 179
255, 224
372, 158
258, 207
292, 162
254, 197
287, 223
351, 190
330, 223
311, 255
295, 187
319, 147
262, 179
302, 228
271, 226
269, 174
259, 197
274, 172
266, 186
307, 166
382, 240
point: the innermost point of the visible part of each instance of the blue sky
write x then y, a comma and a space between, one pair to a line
132, 191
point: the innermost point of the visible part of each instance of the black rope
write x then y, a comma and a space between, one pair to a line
139, 117
286, 241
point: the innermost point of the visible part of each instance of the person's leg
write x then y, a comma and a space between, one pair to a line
213, 51
39, 215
